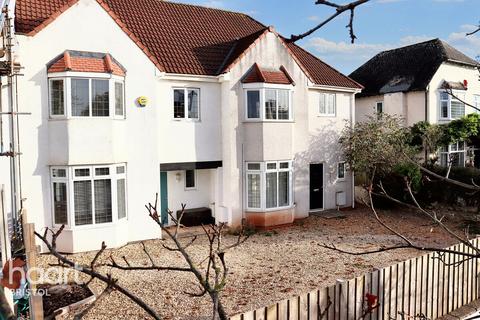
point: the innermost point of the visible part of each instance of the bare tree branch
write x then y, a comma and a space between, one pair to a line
339, 9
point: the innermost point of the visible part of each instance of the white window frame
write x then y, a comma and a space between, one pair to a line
71, 178
344, 170
50, 80
325, 96
185, 93
194, 180
262, 88
476, 102
67, 92
376, 107
448, 151
449, 103
263, 184
115, 115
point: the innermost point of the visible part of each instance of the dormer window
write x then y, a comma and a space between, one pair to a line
81, 88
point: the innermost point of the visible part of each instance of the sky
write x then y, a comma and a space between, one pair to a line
379, 25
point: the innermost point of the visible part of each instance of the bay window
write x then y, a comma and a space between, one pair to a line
276, 104
186, 103
268, 185
476, 103
86, 97
88, 195
451, 107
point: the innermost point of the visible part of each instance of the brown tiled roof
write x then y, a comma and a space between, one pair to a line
257, 74
181, 38
81, 61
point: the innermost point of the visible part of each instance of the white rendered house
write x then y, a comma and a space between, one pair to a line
414, 82
203, 106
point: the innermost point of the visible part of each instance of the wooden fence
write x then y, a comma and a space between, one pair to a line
425, 287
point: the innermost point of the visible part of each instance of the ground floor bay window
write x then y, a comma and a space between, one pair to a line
268, 185
454, 154
88, 195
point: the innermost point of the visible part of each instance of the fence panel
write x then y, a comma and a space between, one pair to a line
431, 285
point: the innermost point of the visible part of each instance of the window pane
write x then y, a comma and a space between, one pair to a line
82, 172
119, 99
458, 109
284, 165
82, 199
56, 97
59, 173
103, 200
283, 104
341, 170
253, 190
190, 179
379, 107
120, 169
102, 171
179, 103
331, 104
271, 191
270, 104
253, 166
444, 159
271, 166
121, 207
100, 97
443, 95
253, 104
444, 105
80, 98
193, 103
60, 202
323, 105
283, 188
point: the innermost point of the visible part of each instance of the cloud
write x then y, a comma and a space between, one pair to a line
214, 4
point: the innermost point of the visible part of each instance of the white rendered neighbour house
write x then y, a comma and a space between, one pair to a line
414, 82
218, 112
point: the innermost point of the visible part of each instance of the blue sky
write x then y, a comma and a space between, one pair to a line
379, 25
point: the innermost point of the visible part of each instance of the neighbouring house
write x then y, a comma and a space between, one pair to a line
414, 82
203, 106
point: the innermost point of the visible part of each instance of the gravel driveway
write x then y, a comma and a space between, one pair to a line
270, 266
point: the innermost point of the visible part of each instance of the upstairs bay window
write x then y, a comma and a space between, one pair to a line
186, 103
451, 107
86, 97
88, 195
268, 185
276, 104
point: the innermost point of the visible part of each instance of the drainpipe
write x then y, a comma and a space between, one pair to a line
426, 115
352, 121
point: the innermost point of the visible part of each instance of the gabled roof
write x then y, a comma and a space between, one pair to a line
181, 38
409, 68
259, 75
82, 61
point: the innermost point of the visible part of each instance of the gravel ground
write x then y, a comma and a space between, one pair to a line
269, 267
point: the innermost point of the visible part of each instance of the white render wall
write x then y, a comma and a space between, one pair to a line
89, 141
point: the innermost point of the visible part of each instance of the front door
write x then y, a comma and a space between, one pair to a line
316, 186
163, 197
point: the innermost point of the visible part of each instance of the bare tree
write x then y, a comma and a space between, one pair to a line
339, 9
211, 279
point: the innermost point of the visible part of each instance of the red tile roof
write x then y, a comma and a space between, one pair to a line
80, 61
257, 74
180, 38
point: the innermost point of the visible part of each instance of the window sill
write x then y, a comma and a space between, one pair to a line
185, 120
268, 121
326, 115
83, 118
269, 209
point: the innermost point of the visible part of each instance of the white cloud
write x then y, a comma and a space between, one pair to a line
214, 4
